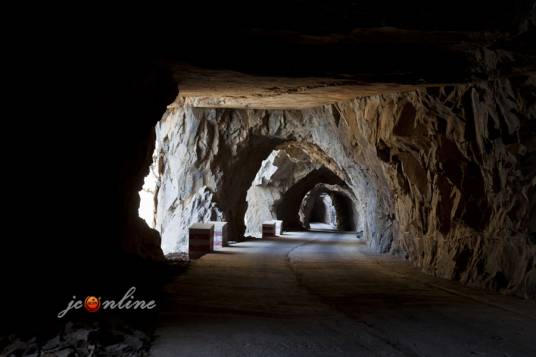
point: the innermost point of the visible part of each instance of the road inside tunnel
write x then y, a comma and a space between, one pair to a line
327, 293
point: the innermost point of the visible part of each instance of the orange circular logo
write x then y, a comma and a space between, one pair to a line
92, 304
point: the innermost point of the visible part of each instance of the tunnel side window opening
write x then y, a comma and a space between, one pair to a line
147, 195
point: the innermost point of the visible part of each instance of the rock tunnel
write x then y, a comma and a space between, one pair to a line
395, 143
415, 169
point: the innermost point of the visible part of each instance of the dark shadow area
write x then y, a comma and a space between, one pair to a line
91, 163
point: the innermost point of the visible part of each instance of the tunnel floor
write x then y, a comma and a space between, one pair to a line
322, 227
325, 294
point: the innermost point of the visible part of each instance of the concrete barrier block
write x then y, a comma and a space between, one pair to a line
201, 239
271, 229
268, 229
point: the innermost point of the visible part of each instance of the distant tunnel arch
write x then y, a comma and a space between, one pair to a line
288, 208
343, 201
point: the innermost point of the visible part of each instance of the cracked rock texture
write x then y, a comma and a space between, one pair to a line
443, 175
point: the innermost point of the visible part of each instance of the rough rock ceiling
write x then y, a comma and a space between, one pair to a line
228, 89
286, 70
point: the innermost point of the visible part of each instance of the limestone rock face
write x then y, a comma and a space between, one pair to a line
445, 175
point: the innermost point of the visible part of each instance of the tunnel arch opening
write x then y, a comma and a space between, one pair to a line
323, 215
342, 200
238, 177
290, 164
205, 170
288, 208
323, 210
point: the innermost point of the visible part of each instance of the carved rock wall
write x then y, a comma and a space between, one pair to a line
443, 175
